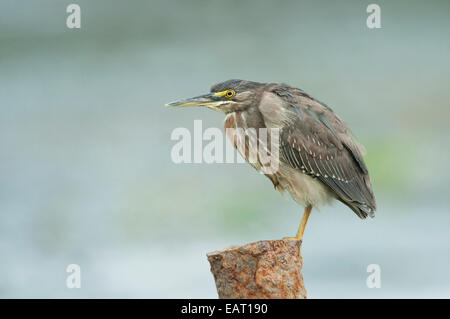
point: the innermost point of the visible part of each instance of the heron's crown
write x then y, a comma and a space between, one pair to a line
236, 85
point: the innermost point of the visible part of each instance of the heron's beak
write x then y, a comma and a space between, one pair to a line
210, 100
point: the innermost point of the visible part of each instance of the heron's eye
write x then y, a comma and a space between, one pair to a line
230, 93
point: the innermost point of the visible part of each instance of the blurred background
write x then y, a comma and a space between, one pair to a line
85, 165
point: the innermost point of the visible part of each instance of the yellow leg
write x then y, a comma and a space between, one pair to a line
301, 228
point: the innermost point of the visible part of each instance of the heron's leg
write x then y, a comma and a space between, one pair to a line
301, 228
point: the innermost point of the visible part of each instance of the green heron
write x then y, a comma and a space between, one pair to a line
318, 159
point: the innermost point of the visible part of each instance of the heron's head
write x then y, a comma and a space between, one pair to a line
226, 97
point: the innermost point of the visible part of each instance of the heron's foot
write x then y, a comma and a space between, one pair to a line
295, 238
291, 238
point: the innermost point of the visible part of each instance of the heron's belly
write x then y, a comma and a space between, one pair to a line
304, 189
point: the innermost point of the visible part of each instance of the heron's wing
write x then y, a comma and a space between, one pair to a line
317, 142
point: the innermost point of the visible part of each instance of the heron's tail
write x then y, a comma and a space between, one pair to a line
362, 210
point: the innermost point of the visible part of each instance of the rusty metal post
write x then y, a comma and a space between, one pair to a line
264, 269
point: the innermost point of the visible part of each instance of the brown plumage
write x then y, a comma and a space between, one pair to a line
324, 149
318, 161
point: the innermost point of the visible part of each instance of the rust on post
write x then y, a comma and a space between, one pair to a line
264, 269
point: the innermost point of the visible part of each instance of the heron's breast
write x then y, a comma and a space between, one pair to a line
234, 122
304, 189
243, 134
